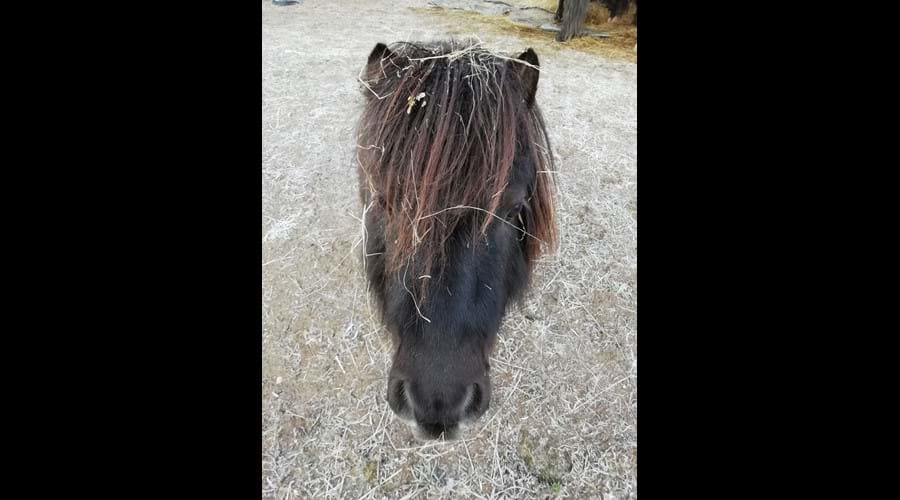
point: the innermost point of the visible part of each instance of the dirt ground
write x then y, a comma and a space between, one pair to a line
562, 421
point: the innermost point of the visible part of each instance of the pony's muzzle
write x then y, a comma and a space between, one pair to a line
426, 422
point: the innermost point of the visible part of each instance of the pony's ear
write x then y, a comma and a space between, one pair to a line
381, 51
374, 65
528, 74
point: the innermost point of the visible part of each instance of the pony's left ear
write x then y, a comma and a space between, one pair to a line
528, 74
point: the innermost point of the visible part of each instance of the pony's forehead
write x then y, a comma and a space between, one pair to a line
422, 71
440, 47
464, 51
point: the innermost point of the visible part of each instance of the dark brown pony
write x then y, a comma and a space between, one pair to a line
455, 179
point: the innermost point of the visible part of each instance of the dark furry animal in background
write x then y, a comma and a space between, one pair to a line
572, 14
455, 180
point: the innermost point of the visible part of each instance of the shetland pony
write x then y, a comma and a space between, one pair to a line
455, 180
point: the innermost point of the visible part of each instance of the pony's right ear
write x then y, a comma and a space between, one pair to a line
375, 64
381, 51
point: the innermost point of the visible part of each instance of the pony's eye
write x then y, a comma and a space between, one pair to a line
514, 212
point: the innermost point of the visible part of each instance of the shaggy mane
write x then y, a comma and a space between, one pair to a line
442, 126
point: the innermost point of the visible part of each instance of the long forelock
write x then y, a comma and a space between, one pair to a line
437, 141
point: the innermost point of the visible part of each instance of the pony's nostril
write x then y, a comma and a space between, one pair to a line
473, 407
397, 396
